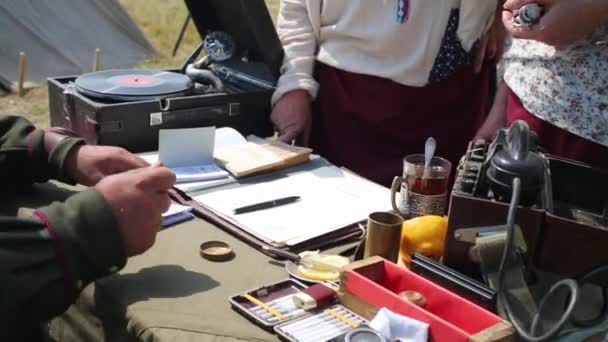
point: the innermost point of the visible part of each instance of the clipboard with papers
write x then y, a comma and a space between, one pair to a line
332, 203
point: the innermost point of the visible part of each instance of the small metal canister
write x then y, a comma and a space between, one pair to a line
364, 335
529, 14
383, 235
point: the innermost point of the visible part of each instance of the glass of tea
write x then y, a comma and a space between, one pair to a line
422, 191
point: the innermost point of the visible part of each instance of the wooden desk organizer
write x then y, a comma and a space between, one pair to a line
373, 283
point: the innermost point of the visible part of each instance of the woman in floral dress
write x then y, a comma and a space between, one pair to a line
556, 79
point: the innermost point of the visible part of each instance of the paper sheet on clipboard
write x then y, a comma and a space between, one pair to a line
331, 198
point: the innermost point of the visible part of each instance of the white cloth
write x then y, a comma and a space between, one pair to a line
400, 328
365, 37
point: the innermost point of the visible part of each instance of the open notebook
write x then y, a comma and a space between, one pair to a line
259, 155
331, 198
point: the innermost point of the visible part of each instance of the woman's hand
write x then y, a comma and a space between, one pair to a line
498, 115
563, 22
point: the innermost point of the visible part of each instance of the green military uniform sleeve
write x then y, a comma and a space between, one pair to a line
48, 258
87, 234
31, 155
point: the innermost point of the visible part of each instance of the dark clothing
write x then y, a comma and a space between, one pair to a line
557, 141
368, 124
49, 257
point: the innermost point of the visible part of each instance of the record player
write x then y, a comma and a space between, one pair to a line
230, 85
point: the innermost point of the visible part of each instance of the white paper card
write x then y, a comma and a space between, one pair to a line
227, 136
224, 136
186, 146
176, 213
175, 209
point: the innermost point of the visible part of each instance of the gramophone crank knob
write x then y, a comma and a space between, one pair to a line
528, 15
219, 46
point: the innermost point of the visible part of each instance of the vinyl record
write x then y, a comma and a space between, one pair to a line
133, 85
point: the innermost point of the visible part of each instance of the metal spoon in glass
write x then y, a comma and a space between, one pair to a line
429, 152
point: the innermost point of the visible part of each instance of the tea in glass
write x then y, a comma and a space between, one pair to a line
423, 192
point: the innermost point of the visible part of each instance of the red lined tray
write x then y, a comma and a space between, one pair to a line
374, 283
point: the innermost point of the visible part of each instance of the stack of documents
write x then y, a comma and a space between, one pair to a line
331, 198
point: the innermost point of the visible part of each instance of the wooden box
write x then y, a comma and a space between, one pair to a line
373, 283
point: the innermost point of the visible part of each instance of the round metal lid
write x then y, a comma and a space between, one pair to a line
216, 251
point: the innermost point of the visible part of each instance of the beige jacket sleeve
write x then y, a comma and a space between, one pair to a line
476, 18
298, 28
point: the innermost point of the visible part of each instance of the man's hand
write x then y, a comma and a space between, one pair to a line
292, 117
88, 164
138, 198
496, 120
563, 22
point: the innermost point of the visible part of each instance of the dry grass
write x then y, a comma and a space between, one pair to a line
159, 20
34, 105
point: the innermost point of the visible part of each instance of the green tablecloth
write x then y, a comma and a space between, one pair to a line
171, 293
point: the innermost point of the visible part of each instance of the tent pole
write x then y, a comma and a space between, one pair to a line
96, 54
21, 73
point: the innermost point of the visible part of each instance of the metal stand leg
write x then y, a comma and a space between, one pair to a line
178, 42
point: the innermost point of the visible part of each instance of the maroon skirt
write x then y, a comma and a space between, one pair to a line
557, 141
368, 124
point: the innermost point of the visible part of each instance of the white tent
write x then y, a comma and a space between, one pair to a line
5, 86
60, 36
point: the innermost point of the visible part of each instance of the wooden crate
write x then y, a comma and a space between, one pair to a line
374, 283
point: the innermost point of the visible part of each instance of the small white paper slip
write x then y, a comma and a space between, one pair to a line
224, 136
175, 209
176, 213
186, 146
189, 153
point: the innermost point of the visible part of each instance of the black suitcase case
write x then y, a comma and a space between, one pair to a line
250, 77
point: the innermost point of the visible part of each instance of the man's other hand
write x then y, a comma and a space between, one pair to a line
88, 165
138, 198
292, 117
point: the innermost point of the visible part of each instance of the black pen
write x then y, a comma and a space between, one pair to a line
266, 205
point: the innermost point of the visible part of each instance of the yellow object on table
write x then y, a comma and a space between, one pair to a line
424, 235
264, 306
313, 272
